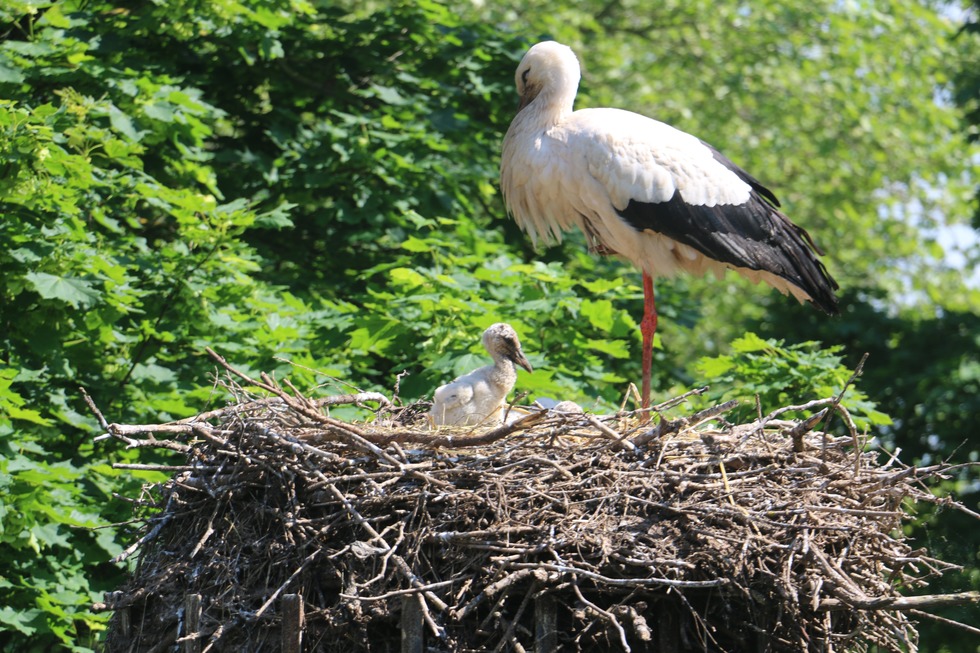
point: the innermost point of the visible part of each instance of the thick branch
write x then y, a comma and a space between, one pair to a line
901, 603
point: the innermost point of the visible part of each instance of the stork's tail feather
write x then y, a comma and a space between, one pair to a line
822, 293
812, 274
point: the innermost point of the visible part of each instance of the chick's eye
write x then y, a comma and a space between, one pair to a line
524, 76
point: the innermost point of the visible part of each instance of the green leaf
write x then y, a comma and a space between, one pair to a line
76, 292
28, 415
122, 123
466, 363
614, 348
750, 342
19, 620
388, 95
277, 218
712, 368
407, 278
159, 111
417, 245
10, 75
599, 313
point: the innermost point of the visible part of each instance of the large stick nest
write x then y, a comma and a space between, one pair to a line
660, 535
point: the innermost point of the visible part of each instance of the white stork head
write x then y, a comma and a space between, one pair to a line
500, 341
549, 71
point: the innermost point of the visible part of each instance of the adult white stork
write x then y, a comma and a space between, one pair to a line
645, 191
478, 397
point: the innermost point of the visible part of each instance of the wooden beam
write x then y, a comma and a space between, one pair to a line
192, 623
413, 638
901, 602
293, 622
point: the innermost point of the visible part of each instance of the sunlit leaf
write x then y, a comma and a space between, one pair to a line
74, 291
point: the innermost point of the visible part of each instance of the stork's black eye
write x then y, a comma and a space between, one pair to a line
524, 76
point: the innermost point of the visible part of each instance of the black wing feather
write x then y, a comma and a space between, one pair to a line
753, 235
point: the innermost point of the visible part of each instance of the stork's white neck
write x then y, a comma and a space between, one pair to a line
547, 109
503, 374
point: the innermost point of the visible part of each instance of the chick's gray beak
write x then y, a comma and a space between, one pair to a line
519, 359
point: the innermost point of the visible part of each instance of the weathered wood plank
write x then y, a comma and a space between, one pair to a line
413, 638
293, 622
192, 623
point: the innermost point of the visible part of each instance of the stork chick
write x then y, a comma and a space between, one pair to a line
478, 397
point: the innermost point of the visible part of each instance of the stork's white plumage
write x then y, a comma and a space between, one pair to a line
478, 397
645, 191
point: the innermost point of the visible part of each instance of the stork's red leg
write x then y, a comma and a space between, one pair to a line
648, 326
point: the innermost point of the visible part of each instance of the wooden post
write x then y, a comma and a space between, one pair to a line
545, 624
192, 623
293, 622
413, 640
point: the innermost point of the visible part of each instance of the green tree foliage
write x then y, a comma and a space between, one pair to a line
968, 84
768, 374
285, 180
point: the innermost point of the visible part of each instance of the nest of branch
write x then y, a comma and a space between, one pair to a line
567, 532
